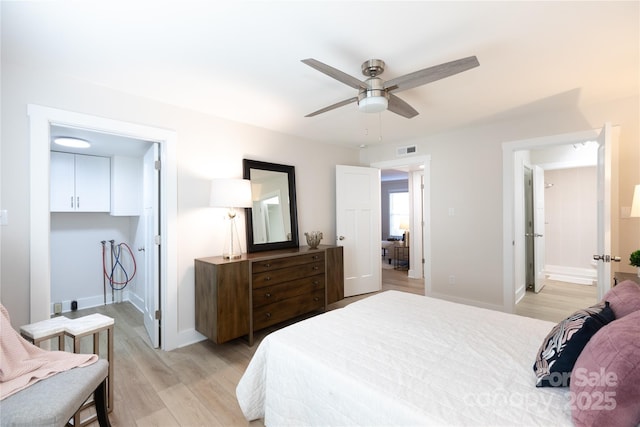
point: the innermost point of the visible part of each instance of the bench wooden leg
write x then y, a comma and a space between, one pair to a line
100, 397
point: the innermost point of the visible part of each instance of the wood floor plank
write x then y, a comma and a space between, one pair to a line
161, 418
186, 407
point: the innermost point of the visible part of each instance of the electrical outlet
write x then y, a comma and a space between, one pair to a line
4, 217
452, 280
57, 308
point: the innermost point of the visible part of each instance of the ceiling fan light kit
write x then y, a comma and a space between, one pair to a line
376, 95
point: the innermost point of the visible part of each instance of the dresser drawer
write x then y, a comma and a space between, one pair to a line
277, 263
277, 293
274, 277
271, 314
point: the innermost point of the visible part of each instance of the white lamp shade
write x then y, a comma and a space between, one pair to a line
230, 193
635, 204
373, 104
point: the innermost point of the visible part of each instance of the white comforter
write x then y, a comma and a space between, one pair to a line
402, 359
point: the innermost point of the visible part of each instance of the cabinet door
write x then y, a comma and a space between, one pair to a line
62, 183
93, 184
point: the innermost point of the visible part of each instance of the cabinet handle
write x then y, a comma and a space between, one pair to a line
71, 202
267, 315
78, 202
268, 295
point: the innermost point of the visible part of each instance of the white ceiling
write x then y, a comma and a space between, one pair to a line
241, 60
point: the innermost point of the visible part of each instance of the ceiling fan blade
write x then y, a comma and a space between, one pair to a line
334, 106
431, 74
335, 73
400, 107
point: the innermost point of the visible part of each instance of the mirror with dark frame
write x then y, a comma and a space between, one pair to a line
272, 221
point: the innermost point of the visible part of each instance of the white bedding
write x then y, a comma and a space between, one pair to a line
401, 359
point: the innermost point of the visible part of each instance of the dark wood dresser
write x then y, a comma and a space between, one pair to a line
234, 298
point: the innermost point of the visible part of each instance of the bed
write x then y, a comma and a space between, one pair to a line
396, 358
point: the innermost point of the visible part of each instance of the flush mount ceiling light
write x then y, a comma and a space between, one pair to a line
66, 141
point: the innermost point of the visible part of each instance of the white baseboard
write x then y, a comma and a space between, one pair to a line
520, 292
580, 276
467, 301
93, 301
189, 336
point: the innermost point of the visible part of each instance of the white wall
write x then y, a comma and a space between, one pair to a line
76, 255
570, 217
207, 147
466, 175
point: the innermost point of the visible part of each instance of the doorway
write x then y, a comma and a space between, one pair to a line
41, 120
418, 174
515, 155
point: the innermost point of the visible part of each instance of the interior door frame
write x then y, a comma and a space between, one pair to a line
40, 120
423, 162
511, 240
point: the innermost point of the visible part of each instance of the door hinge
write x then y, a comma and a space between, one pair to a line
158, 315
157, 165
157, 240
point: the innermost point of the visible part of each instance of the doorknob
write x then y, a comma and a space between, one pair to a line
606, 258
340, 237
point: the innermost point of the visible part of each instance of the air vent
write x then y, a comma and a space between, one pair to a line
407, 150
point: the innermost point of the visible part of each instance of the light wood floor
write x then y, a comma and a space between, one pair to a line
556, 300
195, 385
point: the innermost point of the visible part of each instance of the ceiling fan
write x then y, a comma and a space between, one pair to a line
376, 95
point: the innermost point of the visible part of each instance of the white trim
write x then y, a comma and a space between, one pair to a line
40, 120
579, 276
426, 238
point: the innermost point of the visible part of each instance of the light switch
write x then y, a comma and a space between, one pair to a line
452, 211
4, 217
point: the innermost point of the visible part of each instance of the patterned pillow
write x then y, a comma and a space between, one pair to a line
561, 348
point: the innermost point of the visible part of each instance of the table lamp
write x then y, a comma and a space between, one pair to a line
231, 194
404, 226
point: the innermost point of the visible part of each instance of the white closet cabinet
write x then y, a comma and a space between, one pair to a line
126, 185
79, 183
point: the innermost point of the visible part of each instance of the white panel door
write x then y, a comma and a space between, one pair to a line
603, 171
538, 228
358, 227
152, 250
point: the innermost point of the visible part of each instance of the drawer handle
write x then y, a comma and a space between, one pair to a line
267, 265
316, 257
268, 295
315, 282
267, 315
316, 299
315, 267
267, 278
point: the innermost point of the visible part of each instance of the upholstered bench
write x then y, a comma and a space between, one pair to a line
54, 400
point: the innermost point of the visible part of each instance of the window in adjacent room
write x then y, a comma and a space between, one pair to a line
398, 212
